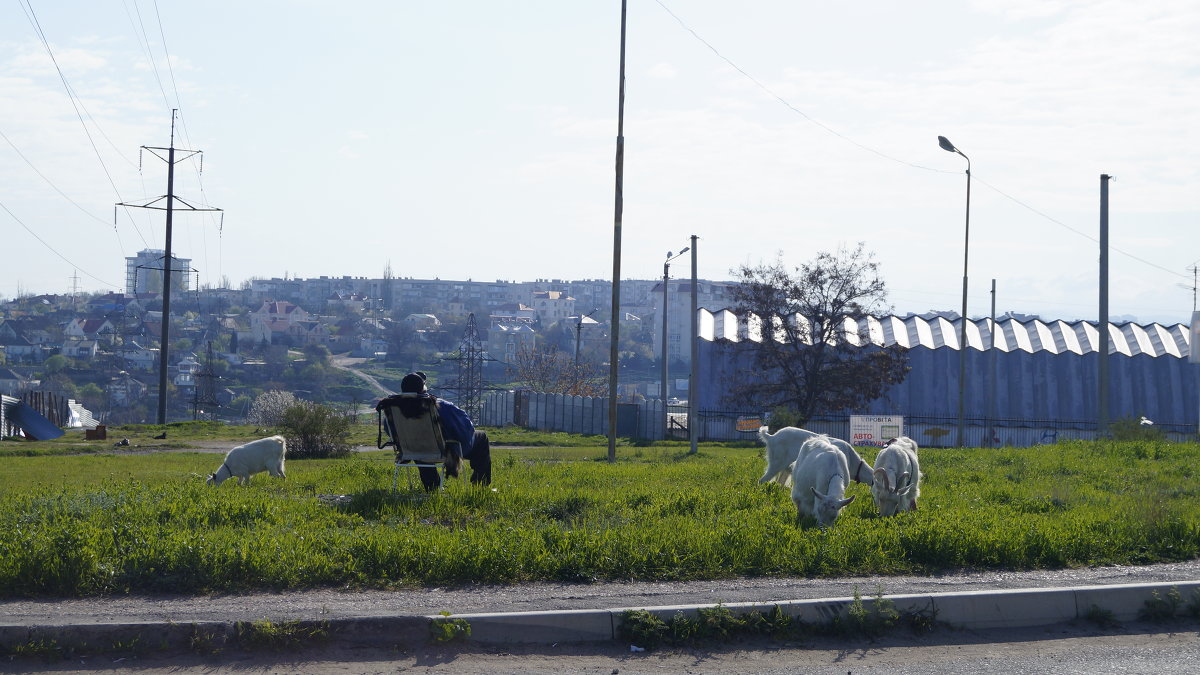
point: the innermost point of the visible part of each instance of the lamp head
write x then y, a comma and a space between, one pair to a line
946, 144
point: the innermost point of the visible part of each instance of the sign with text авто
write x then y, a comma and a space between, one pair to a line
875, 430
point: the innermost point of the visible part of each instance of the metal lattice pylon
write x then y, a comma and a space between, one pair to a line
204, 396
470, 369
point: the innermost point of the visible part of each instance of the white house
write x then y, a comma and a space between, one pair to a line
552, 306
80, 348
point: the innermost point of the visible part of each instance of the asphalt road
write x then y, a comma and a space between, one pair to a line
1135, 648
328, 604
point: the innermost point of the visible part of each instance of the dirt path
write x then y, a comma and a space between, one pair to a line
347, 363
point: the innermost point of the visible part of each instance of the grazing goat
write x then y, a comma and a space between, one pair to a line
783, 447
897, 477
819, 481
265, 454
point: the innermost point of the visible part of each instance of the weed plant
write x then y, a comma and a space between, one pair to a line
102, 524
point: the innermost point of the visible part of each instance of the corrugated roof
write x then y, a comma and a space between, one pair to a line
1056, 337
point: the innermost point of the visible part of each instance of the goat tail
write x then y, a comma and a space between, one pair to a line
763, 435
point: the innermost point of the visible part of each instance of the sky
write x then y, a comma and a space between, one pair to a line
476, 139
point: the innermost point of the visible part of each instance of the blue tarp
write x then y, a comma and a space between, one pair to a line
32, 423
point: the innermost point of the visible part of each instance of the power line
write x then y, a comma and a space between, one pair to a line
183, 124
1082, 234
139, 30
884, 155
55, 187
51, 248
76, 104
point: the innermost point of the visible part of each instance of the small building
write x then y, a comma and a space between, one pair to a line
423, 321
80, 348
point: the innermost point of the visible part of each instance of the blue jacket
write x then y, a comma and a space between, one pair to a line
456, 426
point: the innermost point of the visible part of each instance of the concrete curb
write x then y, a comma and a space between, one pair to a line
1021, 608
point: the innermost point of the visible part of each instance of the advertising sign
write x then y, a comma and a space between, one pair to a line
749, 423
875, 430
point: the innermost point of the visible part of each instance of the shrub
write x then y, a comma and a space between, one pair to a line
1131, 429
783, 416
269, 407
314, 431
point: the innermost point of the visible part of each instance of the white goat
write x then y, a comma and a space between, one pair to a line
819, 481
897, 477
783, 448
265, 454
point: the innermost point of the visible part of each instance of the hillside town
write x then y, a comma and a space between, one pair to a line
227, 345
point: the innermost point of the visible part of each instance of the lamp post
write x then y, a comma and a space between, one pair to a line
663, 392
962, 339
579, 331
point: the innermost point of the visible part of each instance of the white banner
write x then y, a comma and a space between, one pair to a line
875, 430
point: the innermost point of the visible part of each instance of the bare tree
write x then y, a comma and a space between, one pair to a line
548, 370
807, 360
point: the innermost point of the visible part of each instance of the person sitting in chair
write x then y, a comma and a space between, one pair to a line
460, 433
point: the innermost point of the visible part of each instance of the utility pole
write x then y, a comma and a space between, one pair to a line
170, 199
75, 290
694, 380
1102, 375
615, 328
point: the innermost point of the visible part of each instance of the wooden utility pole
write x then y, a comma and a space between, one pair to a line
615, 328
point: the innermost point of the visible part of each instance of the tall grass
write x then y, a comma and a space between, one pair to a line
85, 525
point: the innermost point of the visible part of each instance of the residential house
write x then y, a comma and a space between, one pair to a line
282, 322
20, 350
13, 383
185, 372
505, 340
423, 321
552, 306
124, 390
80, 348
100, 330
354, 302
138, 357
512, 312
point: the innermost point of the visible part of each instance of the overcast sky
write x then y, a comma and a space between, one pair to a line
476, 139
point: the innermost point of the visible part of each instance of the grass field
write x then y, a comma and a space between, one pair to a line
96, 523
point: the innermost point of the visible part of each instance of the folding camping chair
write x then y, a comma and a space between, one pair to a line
418, 440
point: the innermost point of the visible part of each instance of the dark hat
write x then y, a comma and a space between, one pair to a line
413, 383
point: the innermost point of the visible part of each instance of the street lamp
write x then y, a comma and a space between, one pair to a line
666, 277
962, 339
579, 331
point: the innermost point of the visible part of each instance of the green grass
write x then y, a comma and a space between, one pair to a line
99, 524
